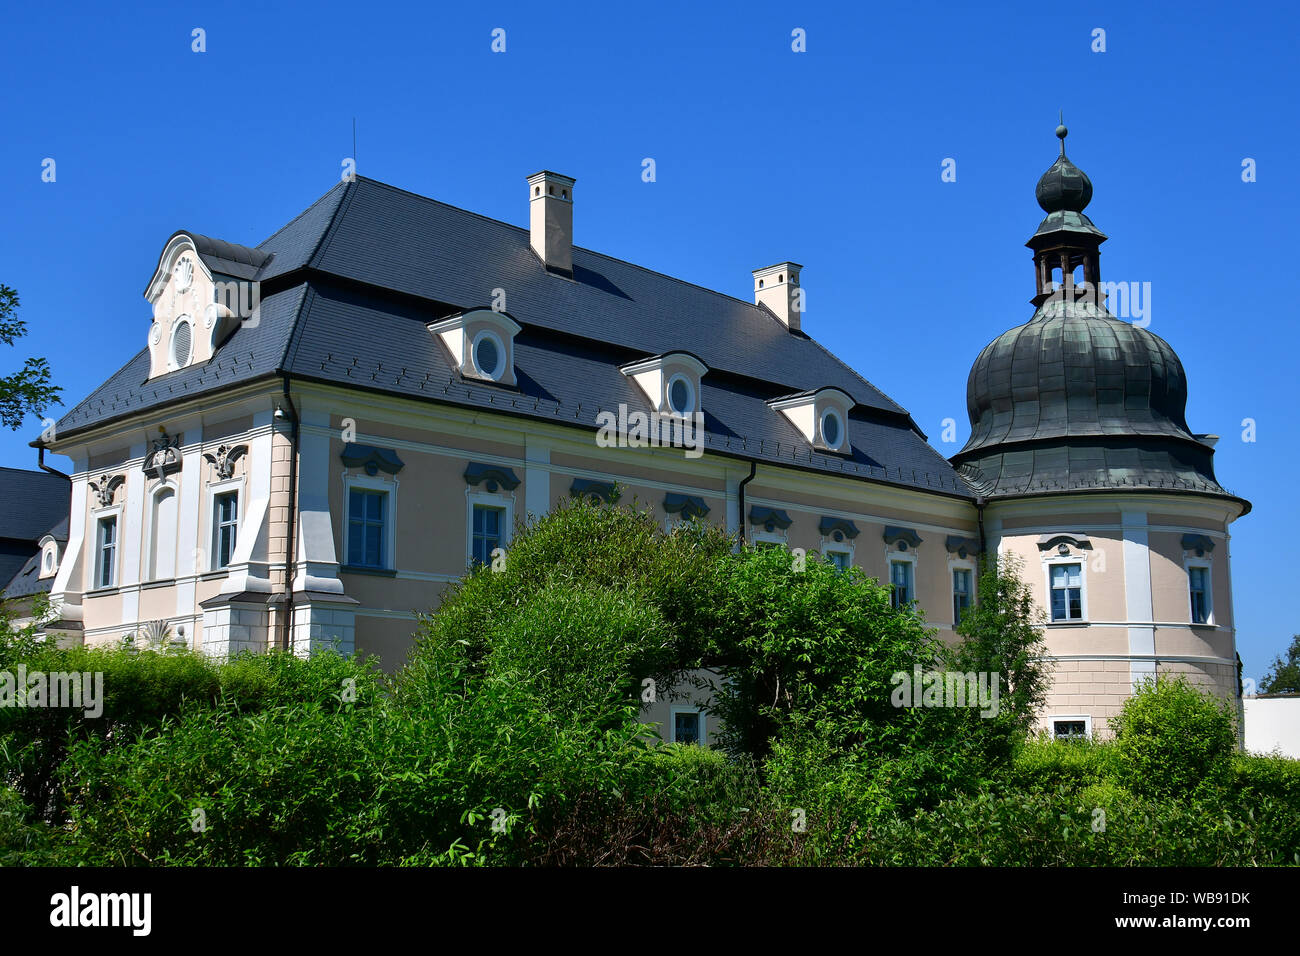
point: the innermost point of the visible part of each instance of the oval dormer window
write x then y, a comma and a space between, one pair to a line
489, 355
832, 429
182, 343
681, 395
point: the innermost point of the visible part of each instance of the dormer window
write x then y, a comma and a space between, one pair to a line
670, 381
182, 343
681, 395
481, 343
821, 416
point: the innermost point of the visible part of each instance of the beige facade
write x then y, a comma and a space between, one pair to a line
292, 513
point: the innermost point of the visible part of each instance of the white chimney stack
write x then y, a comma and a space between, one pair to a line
550, 219
777, 287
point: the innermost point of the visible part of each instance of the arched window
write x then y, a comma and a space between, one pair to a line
162, 535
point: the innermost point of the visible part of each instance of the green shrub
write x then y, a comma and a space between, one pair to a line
1171, 738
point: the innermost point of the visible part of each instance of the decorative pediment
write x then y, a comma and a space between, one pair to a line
688, 506
600, 490
224, 458
1049, 541
907, 536
1199, 543
164, 455
769, 519
837, 528
370, 459
492, 477
960, 546
105, 487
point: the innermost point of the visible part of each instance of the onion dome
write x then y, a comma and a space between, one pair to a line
1075, 398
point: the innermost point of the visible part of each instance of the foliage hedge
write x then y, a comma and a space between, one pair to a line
512, 736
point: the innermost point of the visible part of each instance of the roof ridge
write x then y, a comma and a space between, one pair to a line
320, 199
594, 252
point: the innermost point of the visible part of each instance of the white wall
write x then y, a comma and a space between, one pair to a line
1273, 722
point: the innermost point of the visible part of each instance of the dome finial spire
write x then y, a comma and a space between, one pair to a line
1061, 131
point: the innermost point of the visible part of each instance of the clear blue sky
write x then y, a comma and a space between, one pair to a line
829, 157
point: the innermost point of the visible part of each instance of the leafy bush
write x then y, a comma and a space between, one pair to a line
1173, 739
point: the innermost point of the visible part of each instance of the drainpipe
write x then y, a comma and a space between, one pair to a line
40, 461
293, 514
740, 494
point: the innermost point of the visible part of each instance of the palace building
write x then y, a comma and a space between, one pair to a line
322, 432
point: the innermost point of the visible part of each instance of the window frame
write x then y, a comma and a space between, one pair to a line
1085, 718
218, 525
94, 567
495, 374
674, 710
1050, 563
909, 557
668, 395
211, 491
505, 502
172, 363
969, 568
374, 484
1202, 564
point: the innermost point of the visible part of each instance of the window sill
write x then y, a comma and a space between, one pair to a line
214, 575
103, 592
1068, 623
150, 585
374, 572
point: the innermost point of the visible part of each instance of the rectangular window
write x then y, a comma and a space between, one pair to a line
106, 551
1198, 580
686, 727
961, 592
366, 528
838, 558
225, 525
900, 576
1067, 592
1070, 729
488, 523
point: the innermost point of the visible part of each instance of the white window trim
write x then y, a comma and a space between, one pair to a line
172, 364
963, 564
1086, 718
92, 566
371, 483
1082, 562
821, 431
220, 488
489, 500
893, 555
668, 396
502, 357
149, 509
676, 709
844, 547
1208, 565
758, 533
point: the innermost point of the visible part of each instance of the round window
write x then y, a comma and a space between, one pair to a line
49, 560
681, 395
182, 343
487, 355
831, 430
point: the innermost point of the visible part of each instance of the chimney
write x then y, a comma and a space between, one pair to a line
550, 219
777, 287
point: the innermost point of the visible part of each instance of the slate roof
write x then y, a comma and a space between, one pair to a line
348, 286
32, 504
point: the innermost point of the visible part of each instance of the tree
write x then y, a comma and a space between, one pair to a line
1284, 676
28, 390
